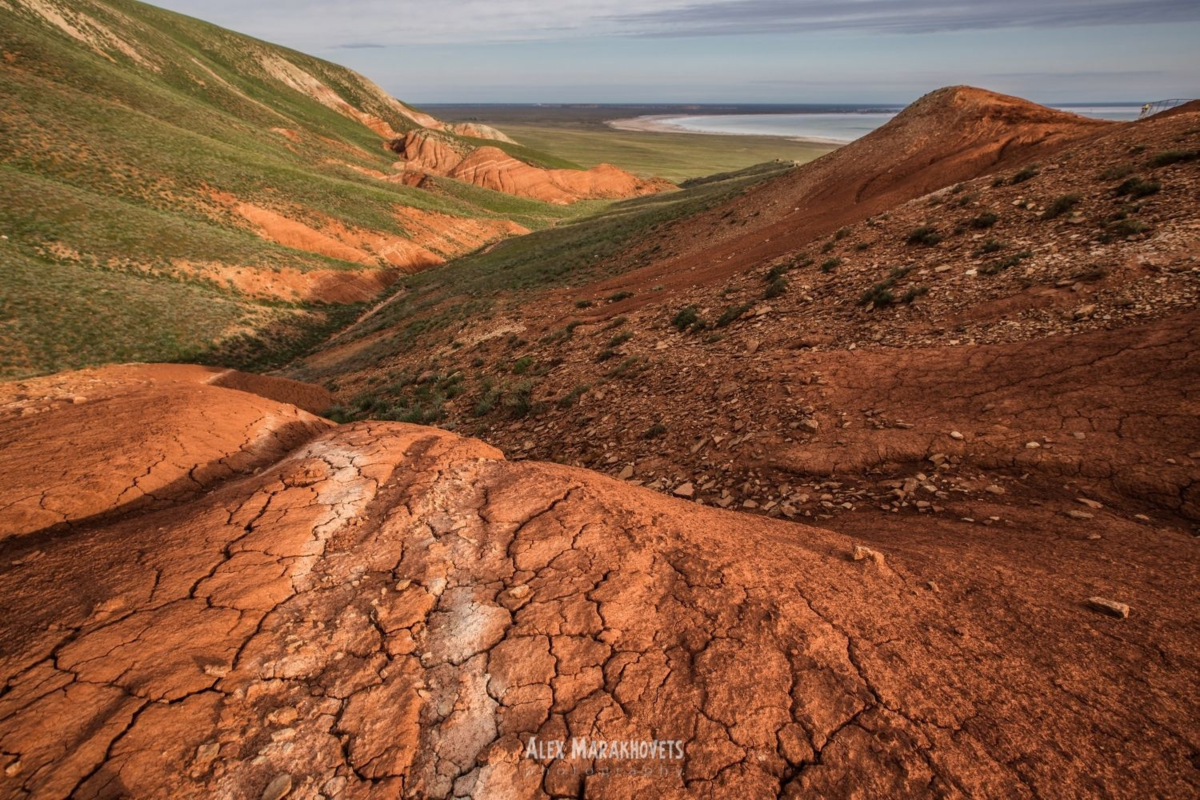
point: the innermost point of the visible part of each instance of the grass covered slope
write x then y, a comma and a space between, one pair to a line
155, 166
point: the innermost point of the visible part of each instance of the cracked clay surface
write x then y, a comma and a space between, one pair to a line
387, 610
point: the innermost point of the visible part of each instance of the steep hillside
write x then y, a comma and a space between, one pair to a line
394, 611
170, 185
813, 376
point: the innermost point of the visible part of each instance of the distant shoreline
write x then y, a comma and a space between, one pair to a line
657, 123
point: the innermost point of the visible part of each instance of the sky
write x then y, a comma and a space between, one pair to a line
737, 51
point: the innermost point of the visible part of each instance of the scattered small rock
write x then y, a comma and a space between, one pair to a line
685, 490
1074, 514
278, 788
957, 436
626, 473
810, 425
994, 489
1032, 445
1089, 503
1110, 607
860, 553
932, 586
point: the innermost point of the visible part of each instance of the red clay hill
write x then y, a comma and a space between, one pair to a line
920, 524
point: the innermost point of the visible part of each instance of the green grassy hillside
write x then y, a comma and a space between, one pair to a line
129, 136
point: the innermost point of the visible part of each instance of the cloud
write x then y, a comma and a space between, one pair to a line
363, 23
724, 17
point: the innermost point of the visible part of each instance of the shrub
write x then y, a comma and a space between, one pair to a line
990, 246
518, 401
606, 354
1168, 157
842, 234
626, 367
776, 288
654, 431
879, 294
568, 400
775, 272
583, 303
860, 246
616, 322
619, 296
620, 339
522, 365
488, 399
914, 293
830, 264
1061, 205
686, 318
996, 267
985, 220
732, 314
825, 248
1128, 227
1028, 173
1117, 172
1136, 187
926, 235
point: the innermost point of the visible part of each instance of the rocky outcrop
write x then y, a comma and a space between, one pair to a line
477, 130
390, 610
425, 153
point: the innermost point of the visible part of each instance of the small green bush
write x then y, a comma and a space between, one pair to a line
1169, 157
620, 339
926, 235
619, 296
776, 288
583, 303
654, 431
990, 246
1117, 172
732, 314
522, 365
830, 264
686, 318
1026, 174
1136, 187
985, 220
1061, 205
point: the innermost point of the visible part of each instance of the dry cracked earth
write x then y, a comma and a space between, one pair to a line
262, 604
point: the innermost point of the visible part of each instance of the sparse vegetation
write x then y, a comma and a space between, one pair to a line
583, 303
1117, 172
881, 294
1136, 188
654, 431
996, 267
619, 296
1168, 157
990, 246
1061, 205
522, 365
830, 264
985, 220
686, 318
776, 288
620, 339
913, 293
732, 314
569, 399
1028, 173
926, 234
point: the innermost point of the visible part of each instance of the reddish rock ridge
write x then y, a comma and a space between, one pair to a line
101, 441
950, 135
424, 153
391, 610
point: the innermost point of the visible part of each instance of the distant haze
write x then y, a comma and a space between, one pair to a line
748, 51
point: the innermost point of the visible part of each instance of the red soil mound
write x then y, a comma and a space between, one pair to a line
494, 169
394, 610
108, 440
948, 136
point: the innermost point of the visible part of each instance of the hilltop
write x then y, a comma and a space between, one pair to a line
179, 191
873, 476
